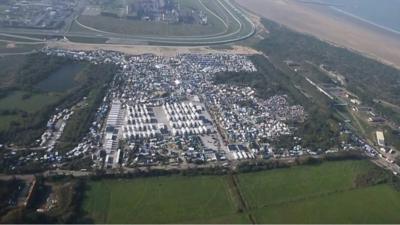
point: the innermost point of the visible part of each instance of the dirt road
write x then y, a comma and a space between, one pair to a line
157, 50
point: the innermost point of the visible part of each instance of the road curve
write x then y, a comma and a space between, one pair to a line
246, 29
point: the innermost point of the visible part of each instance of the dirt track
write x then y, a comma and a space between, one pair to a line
330, 26
157, 50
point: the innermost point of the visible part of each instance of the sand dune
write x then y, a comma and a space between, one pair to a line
331, 26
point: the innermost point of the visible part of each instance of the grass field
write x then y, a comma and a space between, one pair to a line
9, 67
17, 100
52, 90
162, 200
372, 205
33, 103
14, 39
5, 121
91, 40
299, 182
138, 27
304, 194
20, 106
134, 27
319, 194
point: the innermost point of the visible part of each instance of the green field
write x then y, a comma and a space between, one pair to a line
33, 103
137, 27
299, 182
134, 27
173, 199
18, 100
305, 194
49, 91
15, 39
319, 194
90, 40
32, 86
372, 205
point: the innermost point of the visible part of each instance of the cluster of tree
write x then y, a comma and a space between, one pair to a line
319, 130
78, 164
38, 67
68, 208
376, 176
33, 69
28, 128
345, 155
28, 168
365, 77
217, 170
10, 112
372, 177
98, 76
261, 165
267, 80
9, 190
24, 216
254, 166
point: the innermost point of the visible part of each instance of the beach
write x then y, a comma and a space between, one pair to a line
332, 26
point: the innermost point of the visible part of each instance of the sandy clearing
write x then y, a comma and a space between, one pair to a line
157, 50
333, 27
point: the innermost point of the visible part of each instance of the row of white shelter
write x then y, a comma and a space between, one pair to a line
243, 155
189, 131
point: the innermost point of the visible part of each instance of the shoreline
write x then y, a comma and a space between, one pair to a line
385, 28
330, 26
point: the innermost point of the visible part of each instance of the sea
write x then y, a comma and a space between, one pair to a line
381, 13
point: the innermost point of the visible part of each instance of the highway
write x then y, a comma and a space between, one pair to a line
246, 29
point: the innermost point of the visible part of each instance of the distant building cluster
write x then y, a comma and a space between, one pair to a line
36, 14
168, 11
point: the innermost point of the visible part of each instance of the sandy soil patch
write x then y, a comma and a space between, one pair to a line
157, 50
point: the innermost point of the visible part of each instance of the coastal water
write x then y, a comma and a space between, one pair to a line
382, 13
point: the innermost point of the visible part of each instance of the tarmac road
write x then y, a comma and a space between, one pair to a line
246, 30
